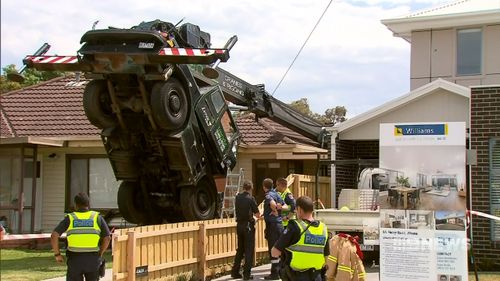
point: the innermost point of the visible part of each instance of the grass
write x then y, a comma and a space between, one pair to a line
485, 276
33, 265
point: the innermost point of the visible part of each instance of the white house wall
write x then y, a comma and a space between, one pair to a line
433, 55
441, 106
54, 182
492, 50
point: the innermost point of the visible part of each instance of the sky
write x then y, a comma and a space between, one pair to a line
350, 60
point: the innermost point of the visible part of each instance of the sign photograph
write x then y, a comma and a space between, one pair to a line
422, 216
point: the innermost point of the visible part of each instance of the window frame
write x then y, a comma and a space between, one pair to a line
481, 58
69, 157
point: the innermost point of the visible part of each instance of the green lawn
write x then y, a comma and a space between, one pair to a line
485, 276
32, 265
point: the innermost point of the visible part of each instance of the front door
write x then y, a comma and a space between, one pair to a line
272, 169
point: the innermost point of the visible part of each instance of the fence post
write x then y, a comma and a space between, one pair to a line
256, 244
131, 242
296, 186
202, 242
115, 250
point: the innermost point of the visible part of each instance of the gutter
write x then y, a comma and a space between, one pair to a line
33, 140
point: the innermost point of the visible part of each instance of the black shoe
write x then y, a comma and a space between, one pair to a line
248, 277
271, 277
236, 275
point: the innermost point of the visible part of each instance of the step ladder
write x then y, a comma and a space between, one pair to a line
234, 183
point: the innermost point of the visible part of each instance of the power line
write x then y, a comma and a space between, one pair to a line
303, 45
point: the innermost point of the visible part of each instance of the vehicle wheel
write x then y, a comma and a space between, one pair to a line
97, 104
199, 202
169, 104
129, 199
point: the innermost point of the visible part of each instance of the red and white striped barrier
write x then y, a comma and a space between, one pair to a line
53, 59
485, 215
12, 237
189, 52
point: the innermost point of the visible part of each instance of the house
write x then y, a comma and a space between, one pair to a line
460, 42
355, 142
49, 152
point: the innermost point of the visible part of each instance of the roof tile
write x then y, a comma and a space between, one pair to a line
54, 108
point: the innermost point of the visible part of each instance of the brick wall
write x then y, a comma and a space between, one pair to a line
346, 175
485, 124
366, 149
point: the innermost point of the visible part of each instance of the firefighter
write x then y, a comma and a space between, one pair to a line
345, 262
246, 209
304, 245
88, 236
287, 210
274, 226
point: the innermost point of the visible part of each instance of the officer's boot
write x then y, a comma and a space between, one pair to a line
274, 270
235, 272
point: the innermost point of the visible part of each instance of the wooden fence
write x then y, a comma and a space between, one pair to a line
181, 251
306, 185
194, 250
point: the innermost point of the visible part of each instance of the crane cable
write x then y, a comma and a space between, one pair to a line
303, 45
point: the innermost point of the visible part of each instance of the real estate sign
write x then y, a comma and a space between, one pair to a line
422, 216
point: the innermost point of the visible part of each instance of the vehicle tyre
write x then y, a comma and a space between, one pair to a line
129, 198
199, 202
97, 104
169, 104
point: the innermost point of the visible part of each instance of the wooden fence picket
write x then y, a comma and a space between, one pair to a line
200, 248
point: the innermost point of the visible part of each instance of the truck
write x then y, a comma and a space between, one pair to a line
359, 211
161, 102
378, 178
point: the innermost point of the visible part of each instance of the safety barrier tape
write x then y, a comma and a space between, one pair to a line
485, 215
28, 236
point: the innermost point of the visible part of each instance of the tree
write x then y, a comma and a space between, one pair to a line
331, 116
335, 115
302, 106
31, 77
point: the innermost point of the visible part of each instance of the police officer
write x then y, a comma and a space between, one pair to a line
304, 244
287, 210
274, 226
84, 230
246, 208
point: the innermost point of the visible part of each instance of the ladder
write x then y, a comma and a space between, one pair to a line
233, 185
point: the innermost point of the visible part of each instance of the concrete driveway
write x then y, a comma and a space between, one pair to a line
263, 270
257, 272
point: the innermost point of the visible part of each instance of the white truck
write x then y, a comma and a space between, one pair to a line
359, 213
378, 178
361, 223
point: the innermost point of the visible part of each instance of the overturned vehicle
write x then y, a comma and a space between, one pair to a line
160, 100
165, 136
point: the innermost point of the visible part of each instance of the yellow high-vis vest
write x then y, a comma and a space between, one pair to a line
308, 252
83, 233
285, 213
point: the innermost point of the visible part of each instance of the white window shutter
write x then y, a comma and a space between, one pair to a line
495, 187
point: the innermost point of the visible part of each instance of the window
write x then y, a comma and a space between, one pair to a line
495, 187
95, 177
469, 51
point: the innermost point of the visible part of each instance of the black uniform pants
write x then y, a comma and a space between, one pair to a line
272, 233
246, 247
288, 274
84, 264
